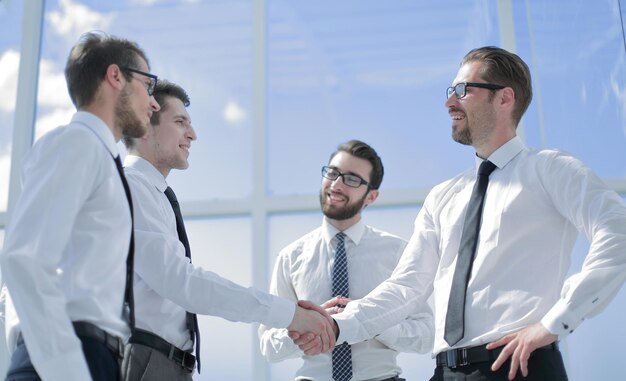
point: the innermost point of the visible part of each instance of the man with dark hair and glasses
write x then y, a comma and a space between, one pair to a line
169, 289
310, 268
493, 244
67, 258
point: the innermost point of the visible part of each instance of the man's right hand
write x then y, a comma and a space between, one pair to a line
312, 329
336, 304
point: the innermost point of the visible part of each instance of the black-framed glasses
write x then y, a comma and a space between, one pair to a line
350, 180
460, 89
153, 78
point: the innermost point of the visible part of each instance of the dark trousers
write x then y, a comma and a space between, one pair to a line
543, 365
142, 363
103, 364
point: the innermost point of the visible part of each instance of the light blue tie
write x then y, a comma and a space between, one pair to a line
342, 354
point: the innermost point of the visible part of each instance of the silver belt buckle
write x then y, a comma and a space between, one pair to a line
456, 357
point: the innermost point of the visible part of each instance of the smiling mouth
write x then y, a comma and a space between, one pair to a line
335, 197
457, 116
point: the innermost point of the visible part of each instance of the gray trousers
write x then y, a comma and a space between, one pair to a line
143, 363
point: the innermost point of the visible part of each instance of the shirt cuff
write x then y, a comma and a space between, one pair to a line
348, 328
281, 312
560, 320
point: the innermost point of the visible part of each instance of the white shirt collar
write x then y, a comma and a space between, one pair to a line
354, 232
97, 125
503, 155
144, 166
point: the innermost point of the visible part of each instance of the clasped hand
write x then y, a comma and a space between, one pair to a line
316, 335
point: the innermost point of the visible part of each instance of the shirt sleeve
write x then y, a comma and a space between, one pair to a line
39, 231
414, 334
600, 214
275, 343
396, 299
161, 263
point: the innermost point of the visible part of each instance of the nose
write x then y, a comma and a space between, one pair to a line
154, 105
453, 100
191, 133
338, 182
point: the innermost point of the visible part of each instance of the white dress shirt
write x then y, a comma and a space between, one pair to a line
303, 270
536, 202
167, 284
66, 245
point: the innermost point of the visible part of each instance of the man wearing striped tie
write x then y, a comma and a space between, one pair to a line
345, 259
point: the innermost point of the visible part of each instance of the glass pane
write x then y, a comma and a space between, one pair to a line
579, 79
286, 228
371, 70
10, 40
206, 49
223, 246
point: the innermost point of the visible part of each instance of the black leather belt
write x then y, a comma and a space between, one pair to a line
185, 359
86, 330
455, 358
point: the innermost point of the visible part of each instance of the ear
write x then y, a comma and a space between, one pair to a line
372, 195
114, 77
507, 97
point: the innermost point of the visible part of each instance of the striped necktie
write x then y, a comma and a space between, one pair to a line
342, 354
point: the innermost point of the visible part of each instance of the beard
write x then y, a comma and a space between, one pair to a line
126, 118
341, 213
463, 136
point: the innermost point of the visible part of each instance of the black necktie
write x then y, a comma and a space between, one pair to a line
129, 300
192, 319
455, 316
342, 354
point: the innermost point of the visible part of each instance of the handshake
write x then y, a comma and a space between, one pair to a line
312, 328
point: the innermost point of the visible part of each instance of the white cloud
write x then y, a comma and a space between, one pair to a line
58, 117
52, 92
52, 86
234, 113
9, 67
74, 19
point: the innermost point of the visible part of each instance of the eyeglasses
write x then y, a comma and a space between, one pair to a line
460, 88
153, 78
352, 181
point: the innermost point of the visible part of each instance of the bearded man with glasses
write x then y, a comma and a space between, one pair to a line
309, 269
